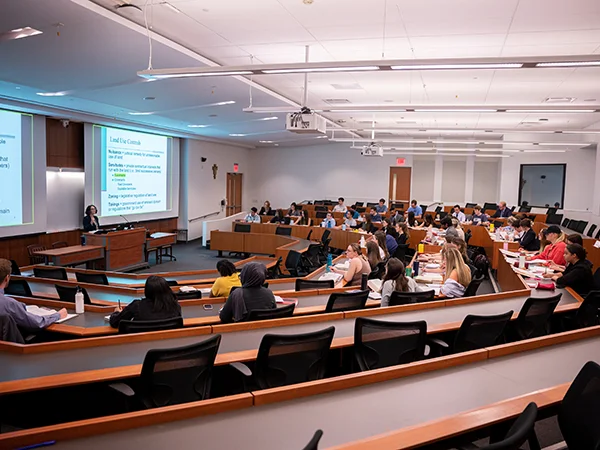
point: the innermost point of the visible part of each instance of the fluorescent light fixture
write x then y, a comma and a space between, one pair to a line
269, 118
492, 156
364, 110
544, 151
498, 150
199, 74
229, 102
52, 94
544, 111
171, 7
19, 33
322, 69
237, 134
322, 137
458, 66
134, 113
266, 142
457, 110
197, 126
569, 64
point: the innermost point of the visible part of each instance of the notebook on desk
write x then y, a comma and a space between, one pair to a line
42, 312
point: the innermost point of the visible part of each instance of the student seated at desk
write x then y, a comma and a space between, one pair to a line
266, 209
17, 310
502, 211
340, 207
355, 214
381, 208
459, 230
428, 222
375, 217
303, 219
373, 254
528, 241
368, 226
556, 250
158, 303
252, 295
457, 276
328, 221
278, 217
479, 218
458, 214
349, 221
416, 209
403, 233
228, 279
253, 216
358, 266
395, 279
578, 272
397, 216
380, 238
293, 211
571, 239
412, 220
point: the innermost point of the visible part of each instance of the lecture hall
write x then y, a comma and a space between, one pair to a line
300, 224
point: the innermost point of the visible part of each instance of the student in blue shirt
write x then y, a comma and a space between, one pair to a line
253, 216
381, 208
415, 209
328, 222
355, 214
375, 217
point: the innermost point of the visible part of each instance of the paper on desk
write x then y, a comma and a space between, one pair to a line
527, 273
509, 253
187, 289
69, 316
429, 278
331, 276
434, 287
597, 244
205, 291
42, 312
375, 285
374, 295
343, 266
159, 235
278, 299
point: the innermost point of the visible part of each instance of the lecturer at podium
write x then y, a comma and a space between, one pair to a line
90, 220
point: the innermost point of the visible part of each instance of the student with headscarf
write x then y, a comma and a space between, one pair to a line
252, 295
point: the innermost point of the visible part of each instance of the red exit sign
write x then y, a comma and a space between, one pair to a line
400, 161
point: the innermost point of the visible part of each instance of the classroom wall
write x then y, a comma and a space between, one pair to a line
200, 193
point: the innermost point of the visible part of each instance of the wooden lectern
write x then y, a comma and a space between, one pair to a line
123, 250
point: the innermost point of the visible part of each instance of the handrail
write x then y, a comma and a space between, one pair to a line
195, 219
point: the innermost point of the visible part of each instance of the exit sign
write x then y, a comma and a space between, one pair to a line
400, 161
236, 167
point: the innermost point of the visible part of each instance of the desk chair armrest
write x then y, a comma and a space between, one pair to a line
242, 368
437, 347
123, 389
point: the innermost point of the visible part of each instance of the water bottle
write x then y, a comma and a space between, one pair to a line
363, 281
522, 261
343, 227
329, 262
79, 301
416, 267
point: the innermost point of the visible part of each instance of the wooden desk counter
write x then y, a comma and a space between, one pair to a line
123, 250
72, 255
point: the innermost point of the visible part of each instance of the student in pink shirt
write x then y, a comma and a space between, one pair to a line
556, 250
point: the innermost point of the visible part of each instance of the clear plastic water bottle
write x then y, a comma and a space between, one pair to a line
79, 301
329, 262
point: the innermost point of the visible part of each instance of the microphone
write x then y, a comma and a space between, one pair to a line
126, 220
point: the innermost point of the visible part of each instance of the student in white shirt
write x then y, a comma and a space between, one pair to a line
349, 221
340, 207
328, 222
395, 279
253, 216
457, 276
459, 214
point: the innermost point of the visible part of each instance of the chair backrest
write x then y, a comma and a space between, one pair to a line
581, 226
551, 211
423, 208
92, 278
273, 313
346, 301
521, 431
524, 208
590, 232
468, 236
304, 285
55, 273
242, 228
275, 271
9, 331
292, 262
470, 205
67, 294
283, 231
400, 252
480, 331
177, 375
142, 326
490, 206
579, 413
404, 298
554, 219
378, 271
534, 317
309, 235
498, 223
33, 258
379, 343
443, 214
14, 268
172, 283
473, 286
325, 236
321, 214
292, 358
321, 208
572, 225
597, 278
59, 244
18, 287
588, 313
314, 442
565, 222
597, 235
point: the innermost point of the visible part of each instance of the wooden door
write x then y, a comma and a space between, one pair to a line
234, 193
400, 185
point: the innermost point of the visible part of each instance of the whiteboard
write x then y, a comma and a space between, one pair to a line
64, 200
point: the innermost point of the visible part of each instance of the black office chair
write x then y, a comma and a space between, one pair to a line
579, 413
172, 283
67, 294
400, 252
283, 231
490, 206
18, 287
321, 214
443, 214
320, 208
522, 430
534, 318
379, 343
572, 225
346, 301
498, 224
581, 226
305, 285
309, 235
290, 358
173, 376
423, 208
524, 209
242, 228
143, 326
587, 315
405, 298
377, 272
597, 278
468, 236
193, 295
14, 268
275, 271
470, 205
325, 236
597, 235
554, 219
311, 257
565, 222
475, 332
293, 264
9, 331
92, 278
551, 211
55, 273
273, 313
314, 442
590, 232
473, 286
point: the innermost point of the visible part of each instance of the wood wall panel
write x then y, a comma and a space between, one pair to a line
64, 146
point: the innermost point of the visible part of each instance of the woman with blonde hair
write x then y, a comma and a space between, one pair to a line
459, 230
373, 255
358, 266
457, 276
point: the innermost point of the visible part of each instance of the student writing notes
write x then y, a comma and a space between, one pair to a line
252, 295
358, 265
252, 216
578, 273
16, 310
395, 279
228, 279
158, 303
556, 250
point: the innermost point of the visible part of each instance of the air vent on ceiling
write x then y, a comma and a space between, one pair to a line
559, 100
349, 86
370, 122
403, 122
336, 101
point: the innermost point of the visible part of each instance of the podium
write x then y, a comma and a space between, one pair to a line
123, 250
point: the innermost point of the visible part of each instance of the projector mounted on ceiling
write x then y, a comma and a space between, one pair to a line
305, 121
372, 149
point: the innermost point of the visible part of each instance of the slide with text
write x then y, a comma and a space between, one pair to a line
11, 176
134, 172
